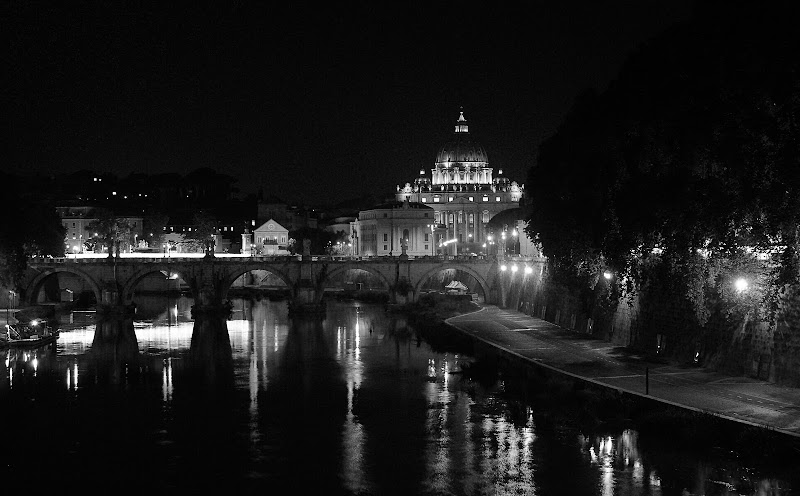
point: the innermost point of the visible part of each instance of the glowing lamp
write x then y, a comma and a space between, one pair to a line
741, 284
503, 268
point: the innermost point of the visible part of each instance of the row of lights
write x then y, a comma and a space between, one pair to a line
515, 268
740, 284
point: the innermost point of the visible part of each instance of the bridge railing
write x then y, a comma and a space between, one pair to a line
225, 258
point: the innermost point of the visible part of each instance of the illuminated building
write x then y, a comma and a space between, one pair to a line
385, 229
464, 193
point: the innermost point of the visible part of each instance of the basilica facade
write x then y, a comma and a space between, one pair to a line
464, 192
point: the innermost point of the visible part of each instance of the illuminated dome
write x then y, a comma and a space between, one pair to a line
461, 150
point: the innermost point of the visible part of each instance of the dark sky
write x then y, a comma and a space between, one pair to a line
314, 104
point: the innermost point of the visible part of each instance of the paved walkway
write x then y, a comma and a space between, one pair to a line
737, 398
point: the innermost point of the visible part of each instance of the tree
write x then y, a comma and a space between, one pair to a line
691, 150
109, 231
153, 228
320, 239
30, 227
203, 231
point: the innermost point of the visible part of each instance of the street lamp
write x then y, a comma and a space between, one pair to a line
514, 236
10, 302
741, 285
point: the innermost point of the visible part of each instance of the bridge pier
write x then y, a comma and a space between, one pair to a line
112, 304
307, 300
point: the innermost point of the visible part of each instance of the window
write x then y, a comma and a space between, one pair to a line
497, 198
426, 237
73, 224
436, 217
385, 237
424, 200
426, 247
485, 216
471, 198
385, 247
385, 215
486, 198
450, 199
436, 199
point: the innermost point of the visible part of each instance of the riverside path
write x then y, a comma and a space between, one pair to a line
741, 399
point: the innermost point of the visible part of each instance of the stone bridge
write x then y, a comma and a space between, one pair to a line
114, 280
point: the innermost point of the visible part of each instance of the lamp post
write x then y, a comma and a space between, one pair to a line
10, 306
515, 238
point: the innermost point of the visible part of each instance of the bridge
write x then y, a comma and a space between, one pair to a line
113, 280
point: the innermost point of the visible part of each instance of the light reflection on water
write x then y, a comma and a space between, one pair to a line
351, 405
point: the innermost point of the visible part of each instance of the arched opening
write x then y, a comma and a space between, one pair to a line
64, 287
160, 295
356, 284
453, 282
258, 284
257, 295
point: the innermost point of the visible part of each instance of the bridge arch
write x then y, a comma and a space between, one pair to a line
484, 284
237, 272
33, 287
136, 278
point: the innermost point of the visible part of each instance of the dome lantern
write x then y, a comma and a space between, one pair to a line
461, 150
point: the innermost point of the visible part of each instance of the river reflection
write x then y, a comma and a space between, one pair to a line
353, 404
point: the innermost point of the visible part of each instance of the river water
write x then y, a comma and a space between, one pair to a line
353, 404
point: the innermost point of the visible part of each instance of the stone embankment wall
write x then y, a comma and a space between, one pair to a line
665, 326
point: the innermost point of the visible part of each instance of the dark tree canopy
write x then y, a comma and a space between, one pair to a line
30, 227
694, 146
320, 240
203, 231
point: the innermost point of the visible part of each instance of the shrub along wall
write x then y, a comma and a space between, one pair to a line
664, 323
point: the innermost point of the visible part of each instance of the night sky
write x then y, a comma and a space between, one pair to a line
313, 104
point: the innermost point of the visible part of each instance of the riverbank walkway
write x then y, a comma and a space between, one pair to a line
741, 399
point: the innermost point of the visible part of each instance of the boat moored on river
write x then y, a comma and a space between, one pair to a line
37, 333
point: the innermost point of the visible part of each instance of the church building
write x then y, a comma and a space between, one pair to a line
464, 192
